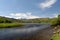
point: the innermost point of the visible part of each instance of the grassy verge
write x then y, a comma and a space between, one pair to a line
10, 25
55, 37
56, 34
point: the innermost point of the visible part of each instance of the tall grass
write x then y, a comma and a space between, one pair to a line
10, 25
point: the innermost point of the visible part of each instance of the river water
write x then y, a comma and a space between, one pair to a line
27, 31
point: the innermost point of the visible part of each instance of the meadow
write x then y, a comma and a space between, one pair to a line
10, 25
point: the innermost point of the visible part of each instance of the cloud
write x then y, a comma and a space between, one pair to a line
47, 4
55, 15
23, 15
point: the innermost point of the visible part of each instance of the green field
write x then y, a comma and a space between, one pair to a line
10, 25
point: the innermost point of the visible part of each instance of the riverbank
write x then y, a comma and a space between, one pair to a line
51, 33
56, 34
10, 25
44, 34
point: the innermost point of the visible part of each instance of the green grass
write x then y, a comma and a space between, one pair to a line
10, 25
55, 37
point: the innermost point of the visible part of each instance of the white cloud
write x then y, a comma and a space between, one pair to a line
55, 15
47, 4
23, 15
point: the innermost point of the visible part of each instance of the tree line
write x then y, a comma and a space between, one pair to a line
54, 21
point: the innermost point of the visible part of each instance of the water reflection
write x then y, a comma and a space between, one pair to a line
12, 33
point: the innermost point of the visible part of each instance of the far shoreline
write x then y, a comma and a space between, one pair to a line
10, 25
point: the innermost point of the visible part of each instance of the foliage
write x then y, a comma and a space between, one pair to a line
58, 22
53, 21
55, 37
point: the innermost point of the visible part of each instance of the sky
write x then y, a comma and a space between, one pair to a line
29, 9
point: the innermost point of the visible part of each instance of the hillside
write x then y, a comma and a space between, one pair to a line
53, 21
7, 20
38, 20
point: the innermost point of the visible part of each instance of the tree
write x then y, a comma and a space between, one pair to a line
53, 21
58, 21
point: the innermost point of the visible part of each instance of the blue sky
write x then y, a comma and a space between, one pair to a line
29, 8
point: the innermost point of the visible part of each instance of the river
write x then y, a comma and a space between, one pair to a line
24, 32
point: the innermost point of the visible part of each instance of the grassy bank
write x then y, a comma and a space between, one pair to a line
56, 33
10, 25
55, 37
